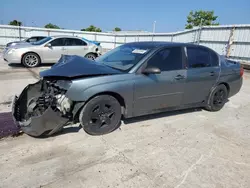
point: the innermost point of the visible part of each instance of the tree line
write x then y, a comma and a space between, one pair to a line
91, 28
194, 19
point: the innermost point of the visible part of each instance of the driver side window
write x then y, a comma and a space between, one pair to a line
167, 59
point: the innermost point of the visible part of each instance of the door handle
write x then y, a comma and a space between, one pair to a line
63, 48
212, 73
179, 77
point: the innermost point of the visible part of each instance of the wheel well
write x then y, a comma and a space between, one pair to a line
113, 94
92, 53
227, 86
31, 52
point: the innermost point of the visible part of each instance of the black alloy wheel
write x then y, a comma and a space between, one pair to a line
101, 115
218, 98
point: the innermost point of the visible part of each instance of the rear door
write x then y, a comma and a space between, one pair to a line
76, 46
202, 73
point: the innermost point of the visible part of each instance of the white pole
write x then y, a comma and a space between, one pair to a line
154, 26
199, 32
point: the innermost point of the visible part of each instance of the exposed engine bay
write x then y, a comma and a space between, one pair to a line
52, 96
43, 106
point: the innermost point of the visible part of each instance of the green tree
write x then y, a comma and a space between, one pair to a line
201, 18
117, 29
92, 28
16, 23
51, 26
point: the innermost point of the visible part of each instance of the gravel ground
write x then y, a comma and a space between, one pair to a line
191, 148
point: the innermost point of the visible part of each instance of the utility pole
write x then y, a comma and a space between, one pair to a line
19, 29
154, 26
199, 36
153, 30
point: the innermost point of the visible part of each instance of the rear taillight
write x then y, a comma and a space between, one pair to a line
241, 71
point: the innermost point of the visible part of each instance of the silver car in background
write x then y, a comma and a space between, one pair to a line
50, 49
25, 41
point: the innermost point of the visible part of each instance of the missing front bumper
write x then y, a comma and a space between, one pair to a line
49, 120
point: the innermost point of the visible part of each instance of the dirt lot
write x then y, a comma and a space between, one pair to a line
191, 148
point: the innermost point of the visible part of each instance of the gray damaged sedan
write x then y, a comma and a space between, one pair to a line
50, 49
131, 80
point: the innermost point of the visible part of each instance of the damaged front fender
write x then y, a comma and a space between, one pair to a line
36, 110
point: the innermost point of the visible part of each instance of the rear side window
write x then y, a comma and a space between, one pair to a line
198, 57
167, 59
75, 42
214, 59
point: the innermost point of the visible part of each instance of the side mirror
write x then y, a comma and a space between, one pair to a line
151, 70
48, 45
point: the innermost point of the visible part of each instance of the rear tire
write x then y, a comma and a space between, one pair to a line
91, 56
101, 115
217, 98
31, 60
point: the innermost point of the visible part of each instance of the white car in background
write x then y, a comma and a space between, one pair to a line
50, 49
25, 41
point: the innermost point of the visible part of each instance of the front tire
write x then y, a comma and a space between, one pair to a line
101, 115
217, 98
31, 60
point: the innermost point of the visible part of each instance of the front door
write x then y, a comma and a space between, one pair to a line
52, 54
202, 73
157, 92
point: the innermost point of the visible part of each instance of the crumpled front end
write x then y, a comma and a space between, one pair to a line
43, 107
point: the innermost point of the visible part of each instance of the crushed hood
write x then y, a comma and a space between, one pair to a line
74, 66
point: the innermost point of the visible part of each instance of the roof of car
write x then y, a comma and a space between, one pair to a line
155, 44
38, 36
62, 36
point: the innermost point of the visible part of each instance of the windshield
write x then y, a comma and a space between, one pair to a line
124, 57
40, 42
